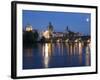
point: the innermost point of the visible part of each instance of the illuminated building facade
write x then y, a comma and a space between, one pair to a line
28, 28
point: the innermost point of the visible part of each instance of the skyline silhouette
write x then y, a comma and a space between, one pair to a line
77, 22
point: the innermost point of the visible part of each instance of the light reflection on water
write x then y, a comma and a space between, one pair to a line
53, 55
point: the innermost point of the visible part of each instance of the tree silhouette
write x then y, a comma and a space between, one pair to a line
30, 37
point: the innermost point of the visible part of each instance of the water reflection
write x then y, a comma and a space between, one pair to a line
50, 55
88, 55
47, 51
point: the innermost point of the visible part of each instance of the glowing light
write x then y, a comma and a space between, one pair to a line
87, 19
66, 40
80, 48
29, 28
47, 53
58, 40
87, 55
88, 40
46, 34
87, 50
76, 40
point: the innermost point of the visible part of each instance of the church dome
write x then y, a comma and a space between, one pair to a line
46, 34
29, 28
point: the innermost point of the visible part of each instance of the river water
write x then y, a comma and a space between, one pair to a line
56, 55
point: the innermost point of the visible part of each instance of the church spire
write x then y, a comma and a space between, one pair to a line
50, 26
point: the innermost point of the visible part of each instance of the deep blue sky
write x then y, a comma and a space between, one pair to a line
77, 22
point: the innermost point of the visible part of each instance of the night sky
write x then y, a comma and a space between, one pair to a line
77, 22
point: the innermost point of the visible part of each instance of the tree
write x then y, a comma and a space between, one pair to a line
35, 35
30, 37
